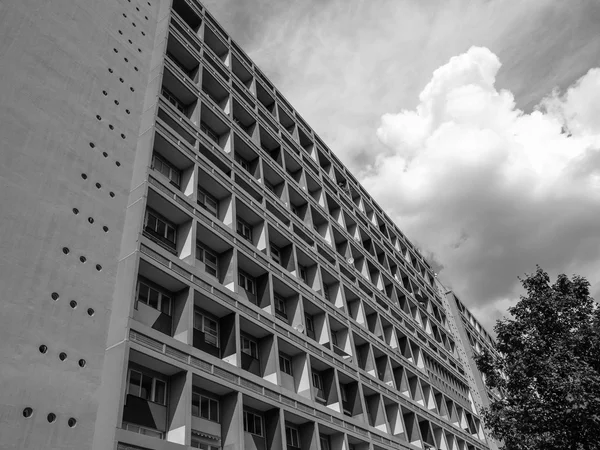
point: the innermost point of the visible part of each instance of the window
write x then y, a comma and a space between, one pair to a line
317, 380
285, 363
161, 165
302, 271
209, 132
142, 430
208, 202
253, 424
295, 210
246, 282
249, 347
309, 323
244, 230
197, 443
242, 162
160, 228
209, 327
147, 387
280, 306
209, 259
275, 253
153, 298
205, 407
325, 443
326, 293
292, 437
334, 339
172, 99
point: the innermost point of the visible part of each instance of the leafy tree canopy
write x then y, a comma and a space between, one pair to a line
547, 368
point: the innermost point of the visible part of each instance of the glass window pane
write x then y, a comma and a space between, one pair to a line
204, 408
146, 391
160, 392
160, 227
214, 411
165, 305
143, 292
151, 222
135, 382
170, 233
195, 404
153, 299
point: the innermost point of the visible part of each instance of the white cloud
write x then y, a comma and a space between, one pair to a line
488, 190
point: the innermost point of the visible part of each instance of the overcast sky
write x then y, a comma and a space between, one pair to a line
474, 123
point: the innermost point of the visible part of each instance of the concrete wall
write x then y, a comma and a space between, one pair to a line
58, 152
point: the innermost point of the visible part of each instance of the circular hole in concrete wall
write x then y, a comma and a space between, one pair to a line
84, 176
98, 267
90, 219
132, 89
134, 25
136, 69
98, 117
105, 93
72, 422
73, 304
55, 296
121, 80
117, 163
83, 259
66, 250
43, 349
117, 102
62, 356
105, 228
92, 145
105, 154
124, 15
112, 194
75, 211
122, 136
127, 111
131, 42
27, 412
90, 312
137, 9
110, 70
111, 127
51, 417
98, 185
140, 50
120, 32
143, 34
115, 50
81, 363
146, 17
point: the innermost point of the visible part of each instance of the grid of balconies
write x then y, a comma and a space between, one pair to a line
271, 286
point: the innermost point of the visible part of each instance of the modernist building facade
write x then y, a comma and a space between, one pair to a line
187, 265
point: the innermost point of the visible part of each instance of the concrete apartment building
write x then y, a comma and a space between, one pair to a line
185, 264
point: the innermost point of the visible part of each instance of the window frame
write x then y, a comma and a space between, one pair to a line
248, 282
202, 327
285, 360
153, 390
293, 437
275, 253
309, 323
302, 273
256, 418
173, 100
157, 157
246, 229
206, 129
208, 265
214, 401
317, 380
204, 203
252, 346
243, 162
167, 224
323, 439
161, 297
280, 301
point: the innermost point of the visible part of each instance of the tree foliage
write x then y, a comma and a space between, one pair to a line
547, 368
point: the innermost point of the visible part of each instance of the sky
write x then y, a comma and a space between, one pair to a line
475, 124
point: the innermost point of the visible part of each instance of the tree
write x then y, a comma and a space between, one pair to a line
547, 368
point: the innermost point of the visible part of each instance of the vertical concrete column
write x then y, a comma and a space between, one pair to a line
228, 263
179, 423
267, 350
395, 421
232, 421
302, 376
322, 332
183, 316
186, 241
309, 436
339, 441
229, 338
274, 429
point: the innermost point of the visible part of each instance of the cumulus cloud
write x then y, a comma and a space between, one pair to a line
488, 190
